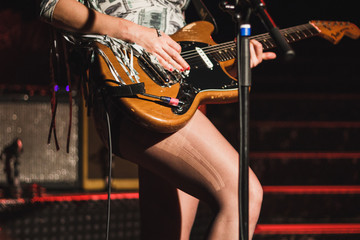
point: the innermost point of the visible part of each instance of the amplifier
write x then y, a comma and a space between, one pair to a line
28, 118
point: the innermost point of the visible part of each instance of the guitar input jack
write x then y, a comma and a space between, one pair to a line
168, 100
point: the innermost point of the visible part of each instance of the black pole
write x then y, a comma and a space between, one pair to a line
241, 12
244, 83
241, 15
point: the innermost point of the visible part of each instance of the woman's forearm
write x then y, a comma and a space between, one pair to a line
74, 16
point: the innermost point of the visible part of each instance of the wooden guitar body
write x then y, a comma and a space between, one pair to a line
155, 114
207, 81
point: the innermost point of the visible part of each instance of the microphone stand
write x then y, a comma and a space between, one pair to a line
244, 83
242, 11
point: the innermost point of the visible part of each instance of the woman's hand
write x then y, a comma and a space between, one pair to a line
163, 47
256, 57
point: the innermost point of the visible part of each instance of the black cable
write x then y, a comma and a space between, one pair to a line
109, 173
129, 92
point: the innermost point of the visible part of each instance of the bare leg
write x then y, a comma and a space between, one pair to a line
188, 208
198, 160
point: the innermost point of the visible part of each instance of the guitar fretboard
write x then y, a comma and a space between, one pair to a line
226, 51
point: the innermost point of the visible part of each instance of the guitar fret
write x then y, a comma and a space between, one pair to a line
308, 32
226, 55
265, 44
289, 37
314, 31
232, 53
296, 36
303, 33
233, 50
221, 53
217, 56
272, 43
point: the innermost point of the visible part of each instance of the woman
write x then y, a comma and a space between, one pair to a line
196, 159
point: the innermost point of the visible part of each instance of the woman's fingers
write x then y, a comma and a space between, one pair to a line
257, 55
173, 57
165, 49
269, 55
171, 54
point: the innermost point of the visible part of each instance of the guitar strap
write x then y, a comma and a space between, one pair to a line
125, 90
204, 13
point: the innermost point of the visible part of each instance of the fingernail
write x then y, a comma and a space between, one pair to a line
181, 69
188, 68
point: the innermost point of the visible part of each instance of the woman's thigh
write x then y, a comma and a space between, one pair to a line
196, 159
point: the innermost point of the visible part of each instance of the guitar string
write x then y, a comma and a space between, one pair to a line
264, 35
267, 37
296, 34
293, 34
261, 37
221, 55
267, 44
226, 46
193, 58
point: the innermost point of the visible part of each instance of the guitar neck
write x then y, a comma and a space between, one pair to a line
291, 35
227, 50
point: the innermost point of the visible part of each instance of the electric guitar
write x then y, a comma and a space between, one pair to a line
208, 80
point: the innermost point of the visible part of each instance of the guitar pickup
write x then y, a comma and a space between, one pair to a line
205, 58
156, 72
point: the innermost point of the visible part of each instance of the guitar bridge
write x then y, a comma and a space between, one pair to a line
157, 73
186, 95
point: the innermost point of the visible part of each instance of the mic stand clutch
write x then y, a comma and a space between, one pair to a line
260, 9
241, 12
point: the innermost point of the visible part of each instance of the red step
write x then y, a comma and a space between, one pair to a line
352, 228
306, 124
312, 189
305, 155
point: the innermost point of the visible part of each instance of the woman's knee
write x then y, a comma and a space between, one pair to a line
255, 191
228, 198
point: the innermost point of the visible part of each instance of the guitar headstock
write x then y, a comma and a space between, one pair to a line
334, 30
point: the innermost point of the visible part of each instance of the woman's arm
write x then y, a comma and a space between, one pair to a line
74, 16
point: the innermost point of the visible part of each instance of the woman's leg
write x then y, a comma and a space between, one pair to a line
188, 209
166, 212
198, 160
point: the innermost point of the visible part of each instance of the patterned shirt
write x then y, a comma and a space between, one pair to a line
165, 15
